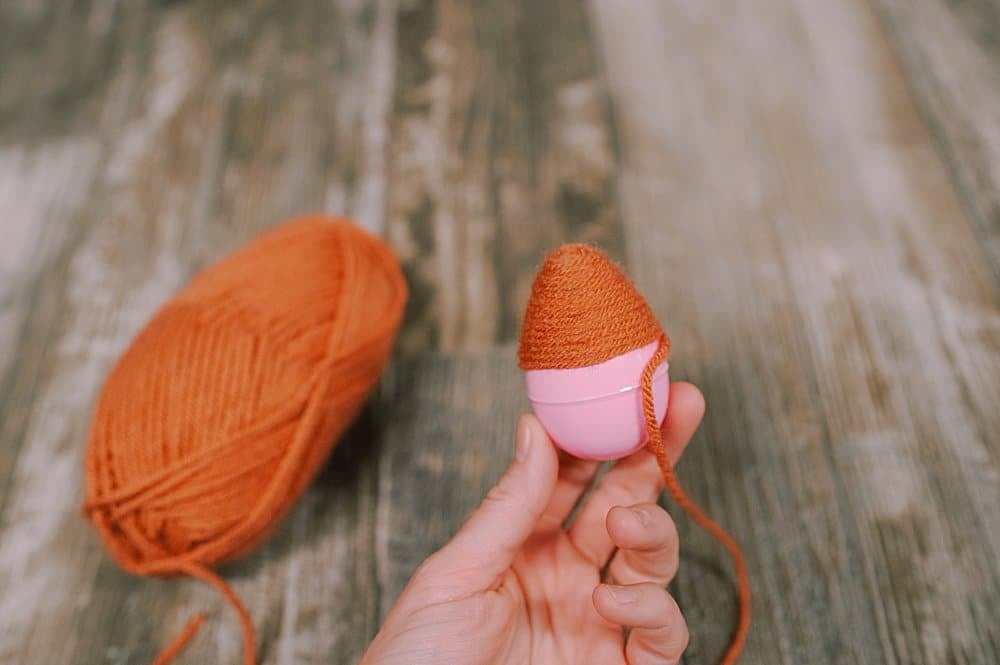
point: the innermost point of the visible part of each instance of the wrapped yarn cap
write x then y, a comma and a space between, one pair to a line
225, 406
583, 310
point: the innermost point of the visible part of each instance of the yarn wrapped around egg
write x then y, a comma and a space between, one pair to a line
583, 311
227, 403
586, 338
594, 355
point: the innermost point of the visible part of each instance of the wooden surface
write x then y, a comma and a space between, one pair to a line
950, 52
806, 191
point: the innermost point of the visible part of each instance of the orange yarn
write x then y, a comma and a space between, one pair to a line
225, 406
583, 310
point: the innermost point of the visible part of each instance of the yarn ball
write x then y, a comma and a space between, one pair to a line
227, 403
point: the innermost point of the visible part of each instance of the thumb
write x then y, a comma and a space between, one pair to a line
489, 540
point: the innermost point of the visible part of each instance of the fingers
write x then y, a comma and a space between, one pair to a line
636, 479
659, 633
647, 543
486, 544
575, 475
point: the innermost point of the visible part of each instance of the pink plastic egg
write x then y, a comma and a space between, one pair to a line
596, 412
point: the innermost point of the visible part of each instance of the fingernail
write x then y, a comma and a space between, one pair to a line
642, 515
622, 594
523, 440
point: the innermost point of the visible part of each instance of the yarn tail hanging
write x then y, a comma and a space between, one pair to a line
195, 570
673, 486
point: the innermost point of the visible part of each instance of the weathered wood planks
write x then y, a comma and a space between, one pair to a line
950, 53
787, 215
759, 166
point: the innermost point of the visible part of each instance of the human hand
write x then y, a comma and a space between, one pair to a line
515, 586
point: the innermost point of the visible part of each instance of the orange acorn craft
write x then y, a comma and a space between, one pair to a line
595, 364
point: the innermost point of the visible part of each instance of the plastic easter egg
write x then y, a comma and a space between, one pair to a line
587, 339
595, 412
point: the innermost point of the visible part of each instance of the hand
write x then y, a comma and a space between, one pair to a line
514, 586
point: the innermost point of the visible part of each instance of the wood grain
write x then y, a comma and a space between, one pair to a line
787, 215
426, 491
179, 132
501, 150
950, 52
759, 165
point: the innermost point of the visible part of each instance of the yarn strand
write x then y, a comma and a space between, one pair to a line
204, 574
174, 648
673, 485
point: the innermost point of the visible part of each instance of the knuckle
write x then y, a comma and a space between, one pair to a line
685, 638
658, 564
679, 634
670, 538
671, 550
667, 569
645, 481
658, 521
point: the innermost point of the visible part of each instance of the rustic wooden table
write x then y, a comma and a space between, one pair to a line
807, 191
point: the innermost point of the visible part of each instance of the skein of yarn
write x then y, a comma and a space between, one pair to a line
225, 406
583, 312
